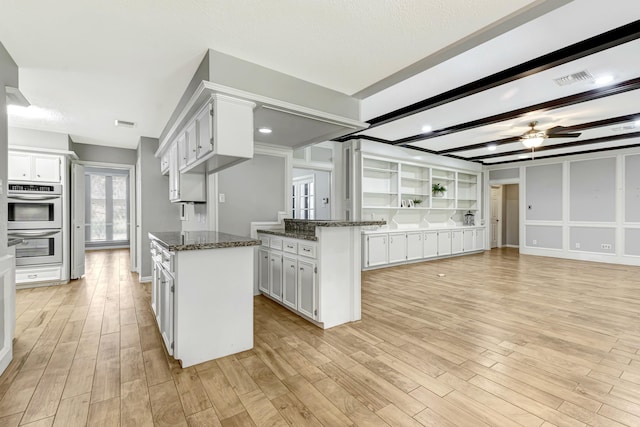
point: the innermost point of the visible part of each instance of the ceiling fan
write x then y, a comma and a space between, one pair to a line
534, 137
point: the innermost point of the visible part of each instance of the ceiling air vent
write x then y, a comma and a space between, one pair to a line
124, 124
581, 76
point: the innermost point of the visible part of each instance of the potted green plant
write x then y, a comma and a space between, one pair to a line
416, 202
438, 189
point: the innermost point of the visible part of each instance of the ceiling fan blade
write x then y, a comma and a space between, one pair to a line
564, 135
556, 129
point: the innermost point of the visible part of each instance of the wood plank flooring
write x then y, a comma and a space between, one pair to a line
500, 340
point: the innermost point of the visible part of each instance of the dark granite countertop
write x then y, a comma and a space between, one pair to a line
14, 241
306, 228
290, 234
197, 240
331, 223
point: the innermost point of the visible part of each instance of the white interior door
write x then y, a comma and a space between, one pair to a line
496, 216
77, 220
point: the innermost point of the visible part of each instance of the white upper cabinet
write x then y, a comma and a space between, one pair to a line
34, 167
191, 143
204, 130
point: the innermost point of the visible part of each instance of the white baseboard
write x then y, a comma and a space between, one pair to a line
511, 246
145, 279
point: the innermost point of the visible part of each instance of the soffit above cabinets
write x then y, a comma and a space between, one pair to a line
298, 113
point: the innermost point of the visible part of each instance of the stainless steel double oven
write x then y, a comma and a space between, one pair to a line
35, 216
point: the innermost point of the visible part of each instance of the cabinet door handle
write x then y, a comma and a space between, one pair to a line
302, 268
292, 266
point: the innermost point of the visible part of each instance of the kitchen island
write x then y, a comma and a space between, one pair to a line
202, 293
312, 267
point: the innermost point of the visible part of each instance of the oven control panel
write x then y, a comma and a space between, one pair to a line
35, 188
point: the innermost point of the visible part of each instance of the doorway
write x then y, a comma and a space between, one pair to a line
311, 194
505, 216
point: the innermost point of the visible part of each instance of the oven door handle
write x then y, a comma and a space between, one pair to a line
28, 235
21, 197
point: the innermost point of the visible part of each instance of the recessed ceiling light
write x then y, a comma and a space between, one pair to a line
426, 128
603, 80
492, 147
637, 123
264, 130
523, 156
124, 124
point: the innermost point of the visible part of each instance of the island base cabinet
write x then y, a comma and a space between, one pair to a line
264, 269
275, 271
307, 289
290, 282
206, 307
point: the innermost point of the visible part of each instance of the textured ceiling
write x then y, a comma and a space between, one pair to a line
89, 63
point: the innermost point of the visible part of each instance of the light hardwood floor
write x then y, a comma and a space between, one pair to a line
500, 340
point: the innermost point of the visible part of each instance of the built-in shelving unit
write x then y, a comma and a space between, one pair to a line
401, 192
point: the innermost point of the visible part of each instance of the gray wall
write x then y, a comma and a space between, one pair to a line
158, 214
504, 174
544, 236
99, 153
544, 193
8, 77
511, 215
632, 188
592, 190
254, 191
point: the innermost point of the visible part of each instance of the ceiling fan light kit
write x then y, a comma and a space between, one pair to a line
533, 137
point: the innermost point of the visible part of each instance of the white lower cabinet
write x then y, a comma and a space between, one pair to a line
456, 242
264, 262
291, 272
444, 243
468, 237
414, 246
380, 249
307, 304
479, 239
375, 250
196, 294
397, 247
430, 244
275, 275
290, 281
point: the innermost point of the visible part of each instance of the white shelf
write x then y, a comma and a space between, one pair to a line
386, 193
369, 168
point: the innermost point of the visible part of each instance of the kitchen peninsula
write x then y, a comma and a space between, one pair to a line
312, 267
203, 283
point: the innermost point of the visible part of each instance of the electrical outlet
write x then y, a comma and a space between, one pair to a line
221, 198
577, 245
605, 246
535, 242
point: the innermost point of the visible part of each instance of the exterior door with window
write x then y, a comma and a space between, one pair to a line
107, 207
303, 194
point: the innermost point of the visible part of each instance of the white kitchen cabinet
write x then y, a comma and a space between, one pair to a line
430, 244
456, 242
264, 262
166, 307
204, 130
444, 243
275, 275
397, 247
164, 163
184, 187
307, 303
191, 142
375, 252
468, 240
414, 245
200, 293
181, 142
479, 239
289, 281
34, 167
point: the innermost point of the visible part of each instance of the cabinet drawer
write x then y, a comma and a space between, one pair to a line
289, 246
275, 243
167, 260
307, 249
44, 274
264, 239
